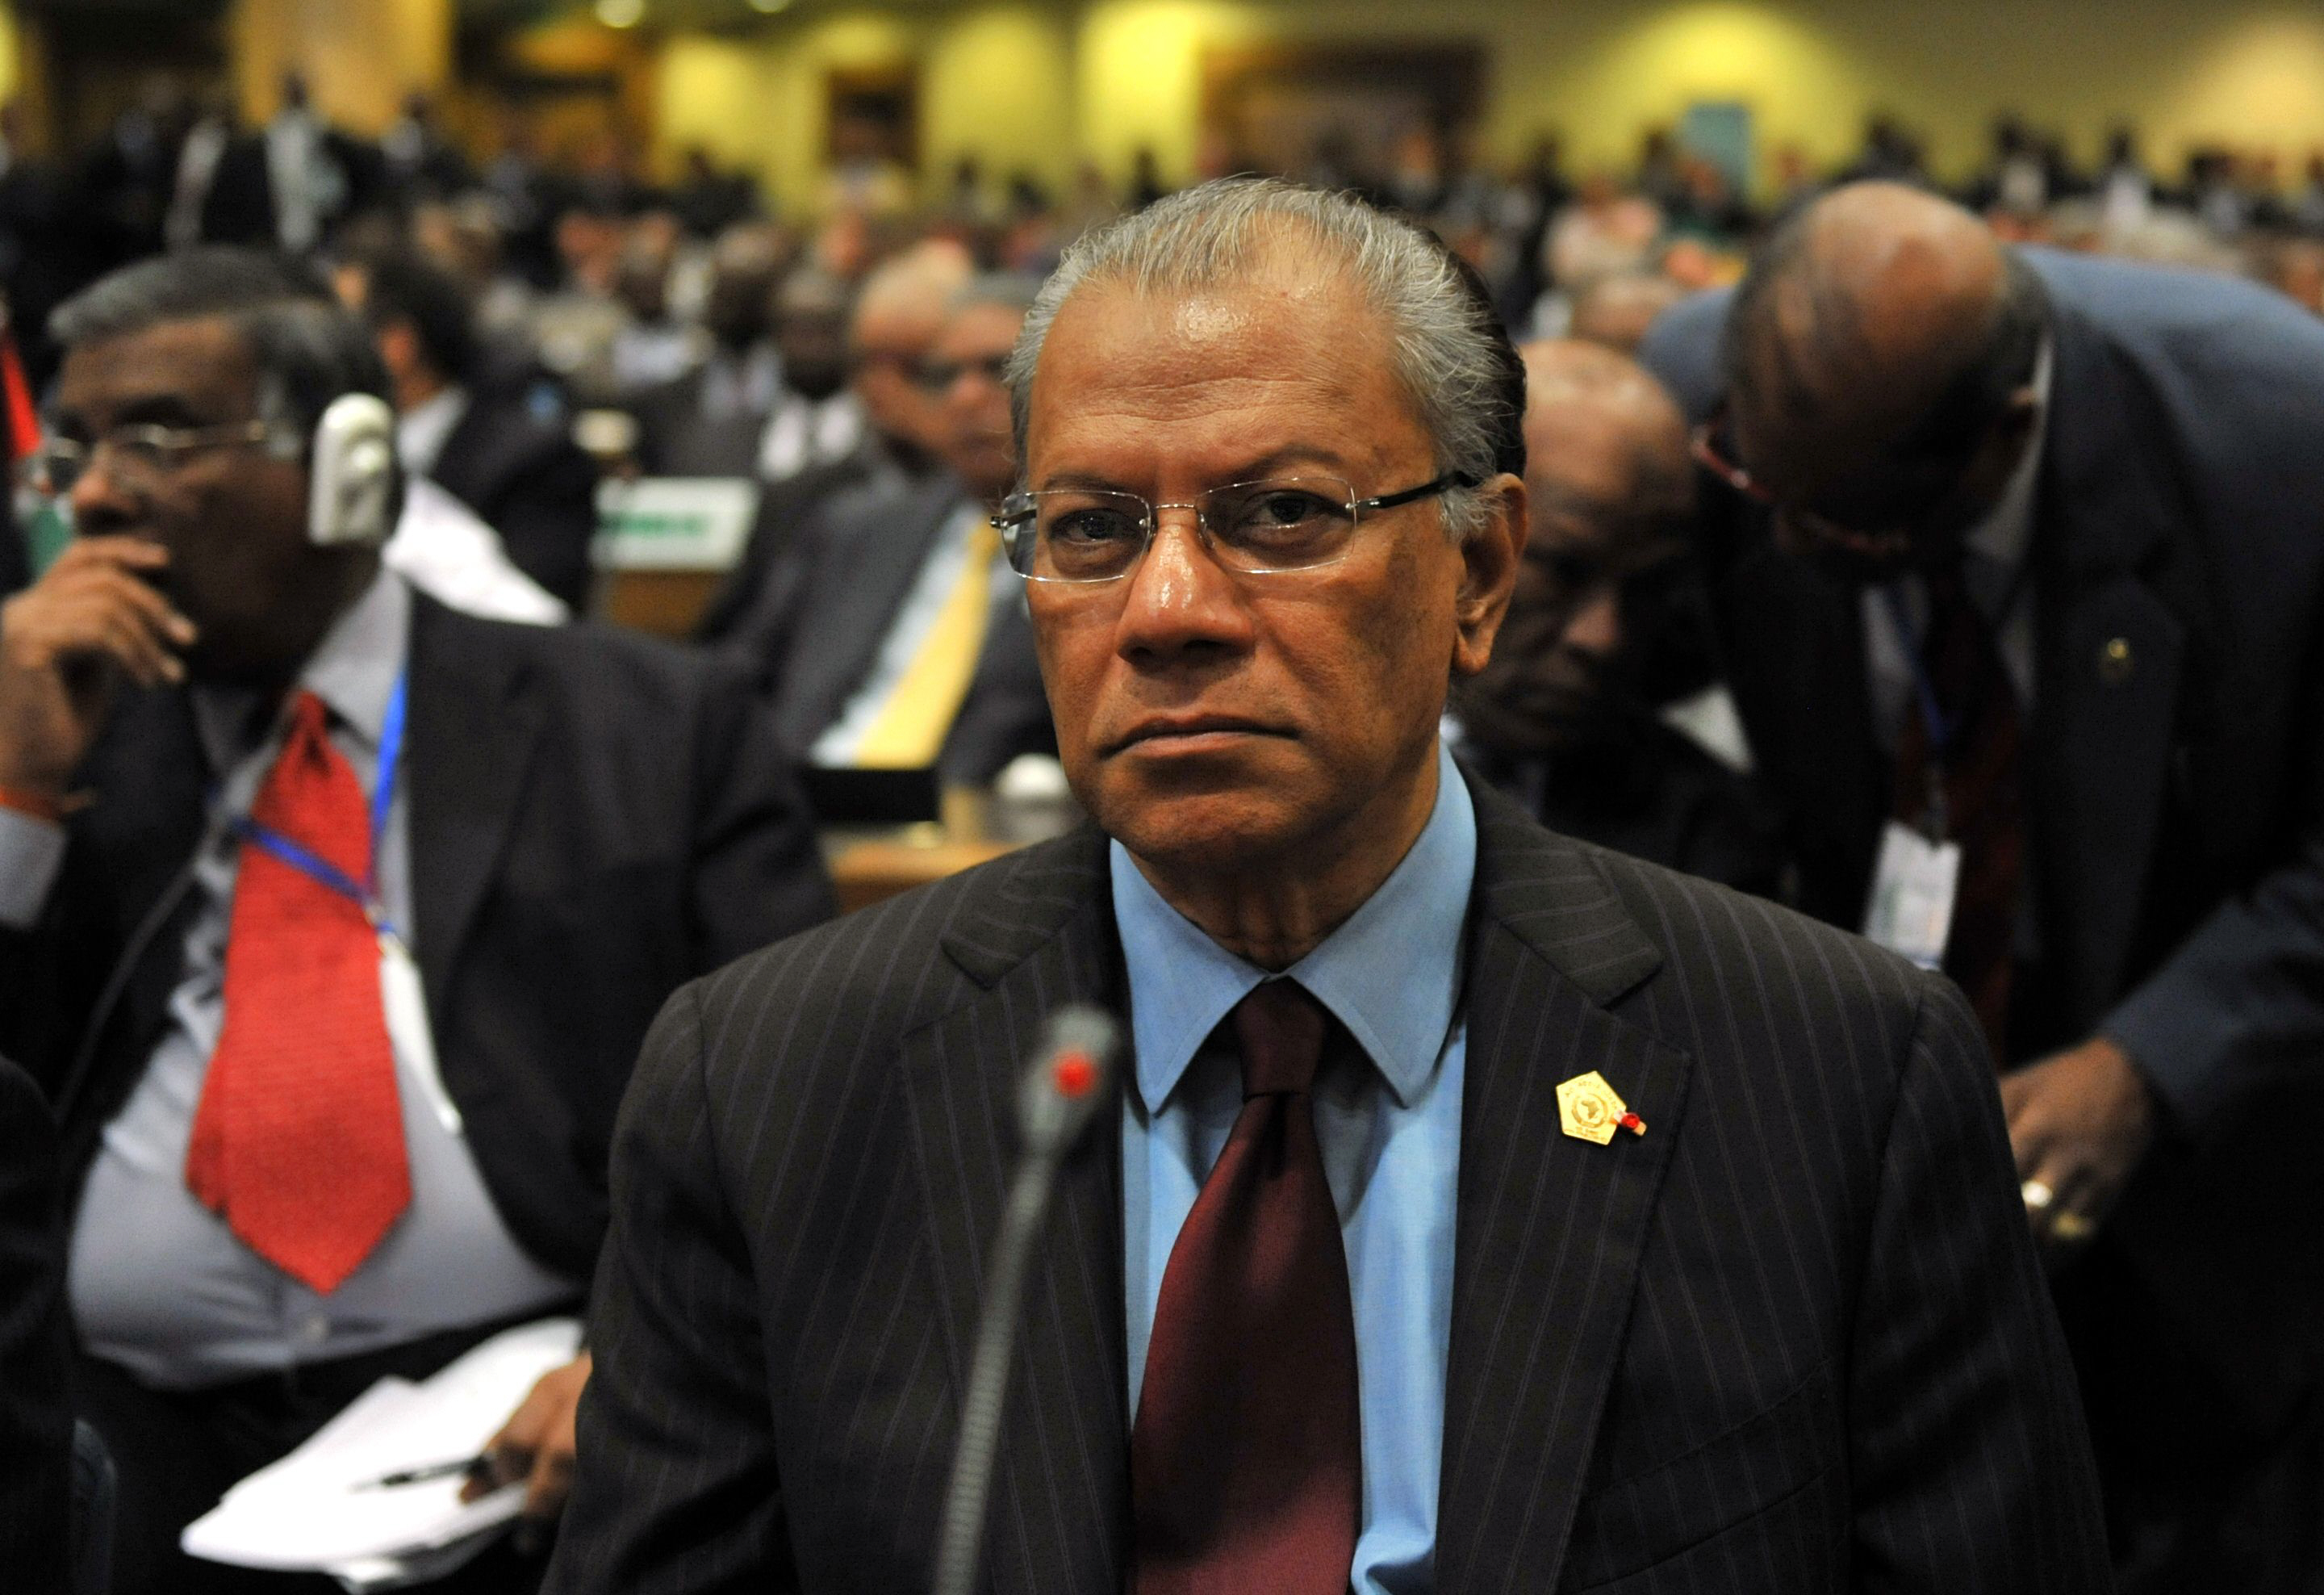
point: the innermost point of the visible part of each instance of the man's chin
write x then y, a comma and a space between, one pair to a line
1214, 828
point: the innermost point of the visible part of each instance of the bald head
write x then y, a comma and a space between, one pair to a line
904, 301
1610, 490
1880, 340
899, 313
1605, 443
1616, 309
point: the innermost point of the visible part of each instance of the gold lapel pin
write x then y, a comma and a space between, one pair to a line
1591, 1110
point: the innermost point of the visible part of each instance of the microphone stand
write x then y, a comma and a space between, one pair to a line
1056, 1102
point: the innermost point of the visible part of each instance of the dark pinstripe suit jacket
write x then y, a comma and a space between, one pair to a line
1793, 1339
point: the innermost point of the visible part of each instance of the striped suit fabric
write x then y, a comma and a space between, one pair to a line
1794, 1338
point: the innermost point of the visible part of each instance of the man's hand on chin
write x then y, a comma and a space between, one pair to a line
536, 1445
2079, 1121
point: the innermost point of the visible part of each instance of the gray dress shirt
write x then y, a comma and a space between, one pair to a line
158, 1283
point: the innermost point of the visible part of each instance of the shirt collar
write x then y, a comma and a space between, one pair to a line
353, 670
1390, 973
423, 430
2000, 539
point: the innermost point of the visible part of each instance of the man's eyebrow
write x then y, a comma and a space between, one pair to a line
149, 409
1274, 463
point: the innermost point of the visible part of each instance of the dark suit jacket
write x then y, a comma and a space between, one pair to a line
238, 205
1652, 792
757, 603
594, 820
818, 634
675, 439
36, 1424
528, 480
2176, 787
1794, 1338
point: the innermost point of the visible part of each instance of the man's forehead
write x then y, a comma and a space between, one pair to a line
201, 362
1221, 359
979, 327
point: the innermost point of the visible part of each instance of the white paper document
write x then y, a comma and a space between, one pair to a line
321, 1509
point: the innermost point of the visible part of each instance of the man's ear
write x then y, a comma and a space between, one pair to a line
1489, 559
399, 349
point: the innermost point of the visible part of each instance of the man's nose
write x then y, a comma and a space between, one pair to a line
98, 500
1596, 628
1180, 601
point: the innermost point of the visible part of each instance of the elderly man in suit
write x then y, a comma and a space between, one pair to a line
896, 315
904, 643
1604, 632
1481, 1210
336, 1036
2021, 575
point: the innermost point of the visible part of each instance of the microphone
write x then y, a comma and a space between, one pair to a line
1060, 1096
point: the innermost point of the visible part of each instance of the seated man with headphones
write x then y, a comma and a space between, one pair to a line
330, 919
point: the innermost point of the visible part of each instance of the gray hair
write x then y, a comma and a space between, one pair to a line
1448, 350
308, 350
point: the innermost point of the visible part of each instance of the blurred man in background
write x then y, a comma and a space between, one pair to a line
487, 444
897, 313
286, 1183
2020, 583
817, 423
707, 422
907, 646
1565, 717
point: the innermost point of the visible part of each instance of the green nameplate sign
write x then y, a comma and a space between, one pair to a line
674, 522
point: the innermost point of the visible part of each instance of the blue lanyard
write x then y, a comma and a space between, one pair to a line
363, 895
1933, 715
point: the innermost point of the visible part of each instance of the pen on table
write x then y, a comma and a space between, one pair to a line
473, 1467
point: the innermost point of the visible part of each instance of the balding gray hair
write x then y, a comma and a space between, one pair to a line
1447, 350
308, 349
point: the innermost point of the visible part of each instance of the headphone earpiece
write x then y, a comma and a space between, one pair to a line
351, 473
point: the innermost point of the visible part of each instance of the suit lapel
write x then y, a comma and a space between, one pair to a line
472, 728
2112, 653
1796, 652
1039, 935
864, 571
147, 826
1550, 1230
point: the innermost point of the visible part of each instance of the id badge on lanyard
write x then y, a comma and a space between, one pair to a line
402, 996
1915, 881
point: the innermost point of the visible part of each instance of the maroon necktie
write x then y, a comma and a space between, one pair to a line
1246, 1463
1979, 773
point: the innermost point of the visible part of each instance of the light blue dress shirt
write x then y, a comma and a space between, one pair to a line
1390, 1136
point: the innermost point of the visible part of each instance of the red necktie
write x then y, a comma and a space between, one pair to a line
298, 1139
1980, 773
1246, 1463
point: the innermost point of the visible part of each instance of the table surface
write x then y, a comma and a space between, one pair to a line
871, 863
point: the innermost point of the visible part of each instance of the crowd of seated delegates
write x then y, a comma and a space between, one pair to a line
1598, 255
853, 368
